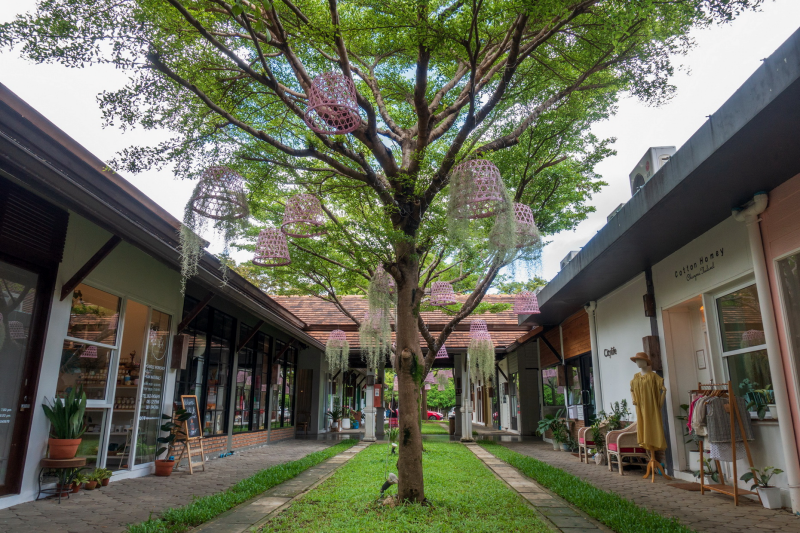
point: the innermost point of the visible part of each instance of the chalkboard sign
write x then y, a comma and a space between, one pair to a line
193, 429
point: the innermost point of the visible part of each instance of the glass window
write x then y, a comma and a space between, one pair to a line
278, 373
740, 319
244, 385
84, 365
741, 329
95, 420
260, 394
217, 375
288, 388
551, 392
94, 316
155, 373
789, 280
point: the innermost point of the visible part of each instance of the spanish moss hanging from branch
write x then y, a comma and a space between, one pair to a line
481, 356
337, 352
375, 333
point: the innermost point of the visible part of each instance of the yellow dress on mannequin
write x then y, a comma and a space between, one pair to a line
646, 390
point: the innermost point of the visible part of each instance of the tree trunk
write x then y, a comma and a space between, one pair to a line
410, 368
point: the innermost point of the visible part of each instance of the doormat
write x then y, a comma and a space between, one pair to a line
693, 487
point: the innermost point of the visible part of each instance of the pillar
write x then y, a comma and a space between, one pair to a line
458, 378
466, 434
369, 410
380, 409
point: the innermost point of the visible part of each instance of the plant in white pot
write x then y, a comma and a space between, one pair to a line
335, 415
770, 496
553, 424
708, 472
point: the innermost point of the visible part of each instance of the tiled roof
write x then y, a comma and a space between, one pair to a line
322, 317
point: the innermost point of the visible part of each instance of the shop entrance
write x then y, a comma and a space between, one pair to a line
580, 377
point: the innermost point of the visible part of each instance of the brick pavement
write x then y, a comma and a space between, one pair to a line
112, 508
712, 513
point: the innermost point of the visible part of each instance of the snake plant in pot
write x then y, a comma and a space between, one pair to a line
66, 423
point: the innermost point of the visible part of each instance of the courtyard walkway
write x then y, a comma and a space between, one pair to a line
129, 501
710, 513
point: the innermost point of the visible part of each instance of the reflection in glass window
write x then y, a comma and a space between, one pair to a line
750, 376
84, 365
740, 319
90, 443
94, 315
789, 281
551, 392
155, 373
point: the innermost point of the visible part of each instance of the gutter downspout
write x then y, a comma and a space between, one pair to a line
591, 308
750, 217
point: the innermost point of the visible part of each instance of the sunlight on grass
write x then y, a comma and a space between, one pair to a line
465, 496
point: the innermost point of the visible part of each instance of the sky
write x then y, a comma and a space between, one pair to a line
725, 56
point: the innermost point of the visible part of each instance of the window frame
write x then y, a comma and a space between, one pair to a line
794, 363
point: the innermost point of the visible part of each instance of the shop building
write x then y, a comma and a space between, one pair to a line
90, 296
698, 270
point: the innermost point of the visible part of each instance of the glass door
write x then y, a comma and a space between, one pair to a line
17, 296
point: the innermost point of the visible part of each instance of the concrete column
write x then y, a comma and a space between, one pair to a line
379, 415
750, 217
369, 410
466, 435
457, 376
591, 309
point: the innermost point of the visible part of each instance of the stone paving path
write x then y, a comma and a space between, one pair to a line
129, 501
553, 510
258, 511
711, 513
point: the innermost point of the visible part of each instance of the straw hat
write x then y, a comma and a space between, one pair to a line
643, 356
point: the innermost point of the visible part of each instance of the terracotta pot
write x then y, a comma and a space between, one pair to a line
63, 489
105, 482
90, 485
63, 448
164, 468
76, 488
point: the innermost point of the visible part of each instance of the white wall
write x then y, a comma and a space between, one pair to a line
127, 271
620, 324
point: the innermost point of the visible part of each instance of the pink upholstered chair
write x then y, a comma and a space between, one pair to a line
623, 444
585, 441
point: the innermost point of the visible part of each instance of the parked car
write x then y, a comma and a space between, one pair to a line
452, 413
433, 415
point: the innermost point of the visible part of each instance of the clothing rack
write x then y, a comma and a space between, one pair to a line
714, 389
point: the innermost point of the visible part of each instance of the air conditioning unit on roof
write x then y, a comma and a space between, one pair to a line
568, 258
655, 158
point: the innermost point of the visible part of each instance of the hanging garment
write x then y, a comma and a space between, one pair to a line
719, 429
699, 418
722, 451
692, 405
646, 390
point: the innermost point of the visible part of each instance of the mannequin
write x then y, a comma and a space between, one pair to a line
648, 393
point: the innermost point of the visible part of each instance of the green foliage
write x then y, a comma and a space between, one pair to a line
443, 400
375, 333
619, 413
336, 412
191, 248
555, 425
432, 427
707, 470
337, 354
174, 426
760, 477
347, 500
179, 519
619, 514
481, 359
66, 416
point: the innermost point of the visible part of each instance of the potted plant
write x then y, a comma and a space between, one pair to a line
335, 415
345, 418
91, 481
553, 424
599, 438
770, 496
353, 422
710, 475
174, 426
78, 481
104, 476
66, 424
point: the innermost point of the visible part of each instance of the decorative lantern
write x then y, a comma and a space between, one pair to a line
526, 303
476, 189
442, 377
429, 378
303, 216
441, 387
752, 337
527, 232
396, 387
271, 248
16, 329
427, 386
477, 326
332, 107
442, 353
220, 195
442, 293
89, 353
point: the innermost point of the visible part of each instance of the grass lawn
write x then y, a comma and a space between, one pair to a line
432, 427
204, 509
621, 515
465, 496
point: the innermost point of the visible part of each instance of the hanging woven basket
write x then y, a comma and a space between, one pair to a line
17, 330
220, 195
271, 249
332, 107
442, 293
89, 353
527, 232
526, 303
442, 353
337, 338
476, 327
476, 189
303, 216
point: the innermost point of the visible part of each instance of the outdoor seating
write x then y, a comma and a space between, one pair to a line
623, 444
585, 441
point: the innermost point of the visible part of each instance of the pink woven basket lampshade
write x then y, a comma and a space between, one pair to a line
477, 326
442, 293
395, 387
271, 248
429, 378
526, 303
16, 329
89, 353
427, 386
337, 337
479, 188
482, 336
303, 216
442, 353
526, 226
220, 195
332, 107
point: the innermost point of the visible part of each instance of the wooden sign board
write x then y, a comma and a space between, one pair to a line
193, 428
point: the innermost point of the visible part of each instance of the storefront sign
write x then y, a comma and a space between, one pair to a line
704, 264
193, 424
608, 352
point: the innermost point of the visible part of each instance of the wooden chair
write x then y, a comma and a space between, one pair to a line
303, 418
623, 444
585, 441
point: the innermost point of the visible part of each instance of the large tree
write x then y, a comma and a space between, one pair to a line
515, 81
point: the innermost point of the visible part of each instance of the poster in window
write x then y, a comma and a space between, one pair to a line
192, 424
